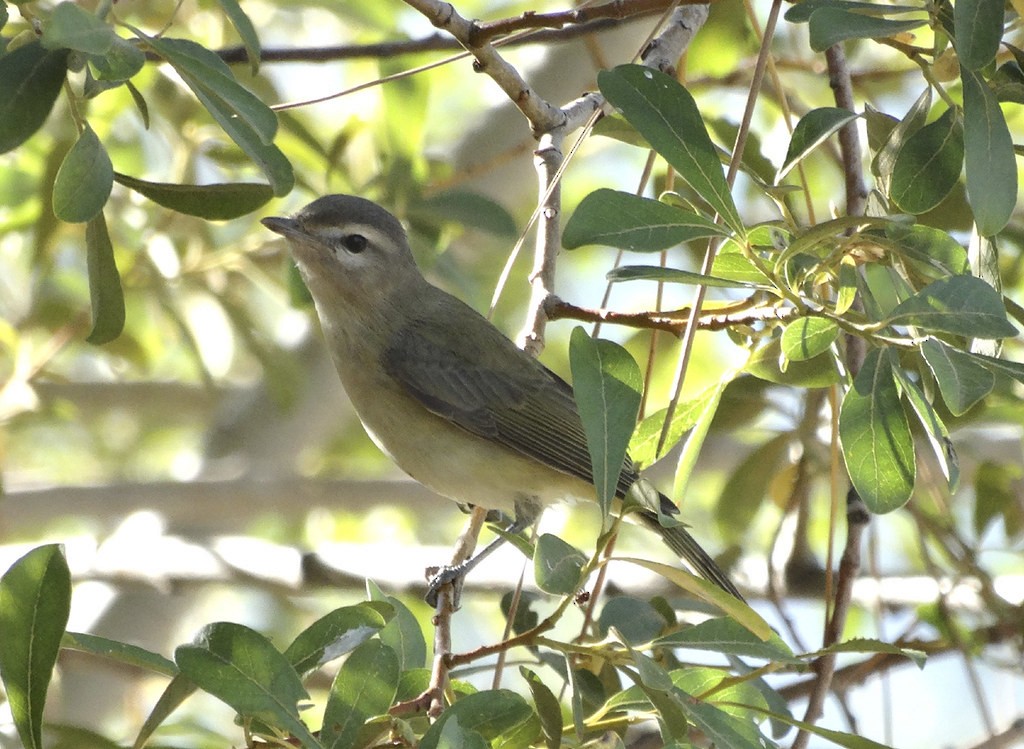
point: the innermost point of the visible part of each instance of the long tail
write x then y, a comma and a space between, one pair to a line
686, 547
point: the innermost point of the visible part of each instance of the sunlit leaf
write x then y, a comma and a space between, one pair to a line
364, 687
934, 427
807, 337
963, 380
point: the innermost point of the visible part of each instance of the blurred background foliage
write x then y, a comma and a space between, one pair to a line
185, 461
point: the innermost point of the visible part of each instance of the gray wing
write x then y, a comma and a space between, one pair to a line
478, 379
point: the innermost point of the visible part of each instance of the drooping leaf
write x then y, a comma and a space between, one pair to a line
988, 157
811, 131
105, 292
178, 690
608, 386
217, 202
30, 80
246, 31
724, 635
961, 305
664, 112
35, 601
548, 708
630, 222
934, 428
962, 379
119, 652
364, 687
240, 667
875, 436
978, 25
928, 165
83, 181
830, 25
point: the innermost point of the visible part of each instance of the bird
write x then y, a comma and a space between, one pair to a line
439, 389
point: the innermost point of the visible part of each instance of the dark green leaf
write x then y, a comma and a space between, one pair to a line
502, 717
963, 380
218, 202
547, 706
961, 305
248, 121
557, 566
664, 112
915, 118
801, 12
810, 132
140, 103
630, 222
364, 687
935, 429
75, 28
246, 31
928, 165
35, 600
337, 633
875, 436
830, 25
120, 652
402, 633
30, 80
635, 619
105, 291
988, 157
607, 385
807, 337
83, 181
978, 25
724, 635
243, 669
769, 364
673, 275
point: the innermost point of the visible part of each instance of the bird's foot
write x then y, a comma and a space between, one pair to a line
438, 577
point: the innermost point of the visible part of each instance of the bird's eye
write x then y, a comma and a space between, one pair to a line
354, 243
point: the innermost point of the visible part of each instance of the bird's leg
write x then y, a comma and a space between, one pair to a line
526, 514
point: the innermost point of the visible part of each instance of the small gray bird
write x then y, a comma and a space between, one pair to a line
438, 388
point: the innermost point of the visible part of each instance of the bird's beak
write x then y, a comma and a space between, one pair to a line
286, 227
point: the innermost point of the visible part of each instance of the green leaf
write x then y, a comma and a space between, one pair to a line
807, 337
35, 600
978, 26
674, 275
694, 441
875, 436
74, 28
664, 112
402, 633
547, 706
831, 25
608, 386
747, 485
928, 165
248, 121
30, 80
105, 291
240, 667
839, 738
630, 222
648, 432
962, 379
83, 181
557, 566
120, 62
915, 118
119, 652
724, 635
988, 157
867, 645
932, 252
961, 305
336, 633
246, 31
811, 131
769, 364
467, 209
1003, 366
801, 12
176, 692
935, 429
217, 202
501, 716
364, 687
636, 620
